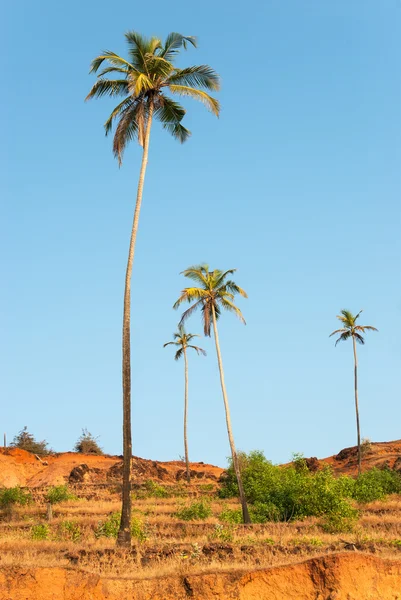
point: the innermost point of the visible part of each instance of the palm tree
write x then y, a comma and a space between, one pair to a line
142, 80
215, 292
182, 339
351, 330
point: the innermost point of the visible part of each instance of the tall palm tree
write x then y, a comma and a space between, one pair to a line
143, 80
182, 339
351, 330
215, 292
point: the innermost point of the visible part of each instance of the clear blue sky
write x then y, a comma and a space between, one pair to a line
297, 185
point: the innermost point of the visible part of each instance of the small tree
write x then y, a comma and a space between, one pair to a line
26, 441
87, 444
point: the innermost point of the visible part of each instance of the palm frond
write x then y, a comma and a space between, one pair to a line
190, 294
138, 48
158, 67
139, 84
196, 76
338, 331
178, 354
197, 273
343, 337
187, 313
170, 114
183, 90
198, 350
118, 109
109, 87
124, 70
130, 127
359, 338
170, 344
114, 59
232, 287
364, 328
228, 305
174, 42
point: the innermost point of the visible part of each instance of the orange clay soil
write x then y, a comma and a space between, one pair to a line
18, 467
351, 576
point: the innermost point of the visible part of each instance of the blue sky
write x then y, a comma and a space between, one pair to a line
297, 186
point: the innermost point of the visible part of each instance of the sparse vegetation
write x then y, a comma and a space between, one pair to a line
59, 493
14, 495
87, 444
26, 441
198, 510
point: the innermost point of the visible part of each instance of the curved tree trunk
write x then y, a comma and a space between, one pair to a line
186, 416
245, 513
356, 405
124, 534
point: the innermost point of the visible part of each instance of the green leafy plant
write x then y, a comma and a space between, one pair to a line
59, 493
335, 523
110, 527
223, 534
231, 515
195, 511
40, 532
69, 530
15, 495
155, 490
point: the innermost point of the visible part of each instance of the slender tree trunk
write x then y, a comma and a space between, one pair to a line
356, 405
124, 534
186, 415
245, 513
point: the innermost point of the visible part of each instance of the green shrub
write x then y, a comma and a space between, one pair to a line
26, 441
87, 444
69, 530
376, 484
231, 515
40, 532
155, 490
59, 493
335, 523
195, 511
110, 527
14, 495
223, 534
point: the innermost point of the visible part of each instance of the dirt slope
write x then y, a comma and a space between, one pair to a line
18, 467
337, 577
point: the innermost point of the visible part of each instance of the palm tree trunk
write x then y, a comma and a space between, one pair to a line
245, 513
356, 405
185, 416
124, 534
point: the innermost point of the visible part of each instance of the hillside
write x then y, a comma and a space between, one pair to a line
73, 556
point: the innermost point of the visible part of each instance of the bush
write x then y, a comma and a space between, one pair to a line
69, 530
14, 495
155, 490
334, 523
26, 441
195, 511
111, 526
231, 515
59, 493
87, 444
40, 532
376, 484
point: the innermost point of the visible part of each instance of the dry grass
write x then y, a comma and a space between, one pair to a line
174, 546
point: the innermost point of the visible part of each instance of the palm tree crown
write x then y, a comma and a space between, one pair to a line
351, 329
143, 80
215, 291
182, 339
